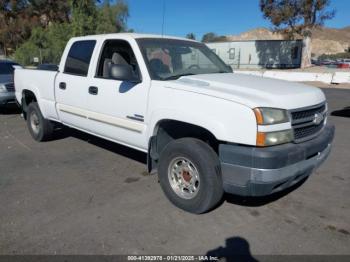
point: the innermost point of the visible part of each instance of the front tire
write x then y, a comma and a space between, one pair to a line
40, 128
189, 174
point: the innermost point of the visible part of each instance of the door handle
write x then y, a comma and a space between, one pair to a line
93, 90
62, 85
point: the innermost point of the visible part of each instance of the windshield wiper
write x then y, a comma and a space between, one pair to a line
174, 77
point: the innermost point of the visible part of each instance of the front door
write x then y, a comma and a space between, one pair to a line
118, 107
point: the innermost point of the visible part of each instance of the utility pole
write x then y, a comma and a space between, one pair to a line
163, 18
239, 58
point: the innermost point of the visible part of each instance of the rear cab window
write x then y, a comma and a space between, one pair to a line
79, 57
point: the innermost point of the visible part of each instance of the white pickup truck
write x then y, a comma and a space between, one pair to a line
205, 129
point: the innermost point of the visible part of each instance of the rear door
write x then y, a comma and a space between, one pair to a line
72, 84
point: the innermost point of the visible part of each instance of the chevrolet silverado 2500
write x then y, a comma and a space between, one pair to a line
205, 129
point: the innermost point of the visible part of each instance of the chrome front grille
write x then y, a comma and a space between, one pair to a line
308, 122
10, 87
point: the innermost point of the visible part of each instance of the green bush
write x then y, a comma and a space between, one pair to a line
46, 44
334, 56
86, 18
26, 52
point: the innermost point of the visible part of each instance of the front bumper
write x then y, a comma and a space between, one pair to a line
7, 97
253, 171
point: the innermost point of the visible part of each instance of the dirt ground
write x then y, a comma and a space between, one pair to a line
80, 194
324, 85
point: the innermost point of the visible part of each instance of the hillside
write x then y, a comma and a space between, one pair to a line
324, 40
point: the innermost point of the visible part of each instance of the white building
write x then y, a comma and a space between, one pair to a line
259, 53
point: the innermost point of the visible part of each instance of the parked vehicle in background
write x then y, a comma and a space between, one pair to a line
344, 63
206, 130
315, 62
7, 89
327, 62
48, 67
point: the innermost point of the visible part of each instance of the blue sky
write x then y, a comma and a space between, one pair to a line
202, 16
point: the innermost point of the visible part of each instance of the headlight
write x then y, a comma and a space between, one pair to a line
270, 116
274, 138
2, 88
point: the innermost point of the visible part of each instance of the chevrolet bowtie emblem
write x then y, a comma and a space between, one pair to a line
318, 118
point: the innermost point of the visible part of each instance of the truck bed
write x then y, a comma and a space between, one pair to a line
41, 83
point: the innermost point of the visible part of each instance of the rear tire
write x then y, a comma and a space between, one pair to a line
189, 174
40, 128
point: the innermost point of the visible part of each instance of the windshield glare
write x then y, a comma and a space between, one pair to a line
170, 59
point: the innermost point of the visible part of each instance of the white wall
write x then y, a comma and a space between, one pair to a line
329, 78
259, 54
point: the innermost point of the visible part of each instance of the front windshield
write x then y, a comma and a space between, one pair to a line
170, 59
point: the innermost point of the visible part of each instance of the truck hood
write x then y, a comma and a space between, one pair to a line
252, 91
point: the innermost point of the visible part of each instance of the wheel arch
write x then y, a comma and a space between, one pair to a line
28, 96
167, 130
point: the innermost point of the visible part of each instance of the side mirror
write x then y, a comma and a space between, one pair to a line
123, 73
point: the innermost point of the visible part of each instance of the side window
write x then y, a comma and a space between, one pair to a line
232, 53
116, 52
79, 56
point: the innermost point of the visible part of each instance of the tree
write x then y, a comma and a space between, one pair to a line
84, 17
15, 25
345, 55
112, 18
47, 41
209, 37
58, 36
49, 11
39, 39
297, 18
19, 17
191, 36
212, 37
87, 18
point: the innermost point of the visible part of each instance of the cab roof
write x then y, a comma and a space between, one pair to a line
128, 36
